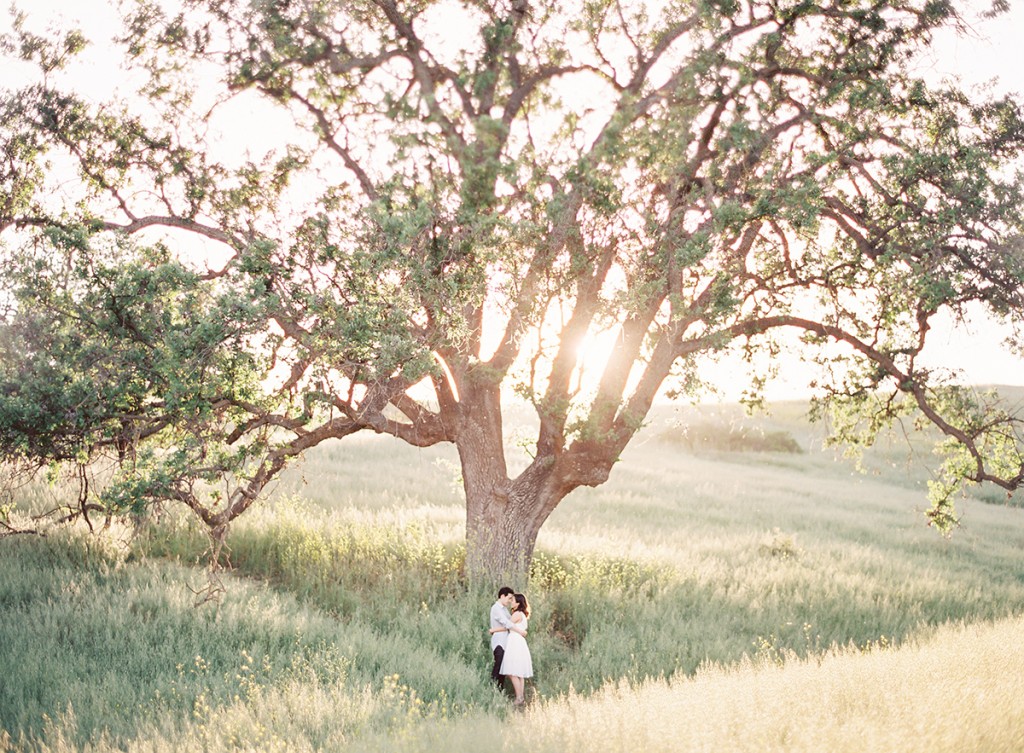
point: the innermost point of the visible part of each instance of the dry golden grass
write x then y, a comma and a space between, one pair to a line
961, 691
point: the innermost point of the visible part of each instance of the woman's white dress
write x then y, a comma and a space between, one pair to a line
517, 661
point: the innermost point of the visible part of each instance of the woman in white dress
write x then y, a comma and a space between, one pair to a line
517, 664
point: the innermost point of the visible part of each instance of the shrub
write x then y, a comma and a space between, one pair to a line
732, 437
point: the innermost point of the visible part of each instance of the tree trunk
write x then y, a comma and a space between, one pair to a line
501, 533
503, 516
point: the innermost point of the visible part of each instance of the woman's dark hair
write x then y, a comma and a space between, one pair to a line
522, 605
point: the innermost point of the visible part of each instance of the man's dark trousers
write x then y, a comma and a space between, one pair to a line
499, 654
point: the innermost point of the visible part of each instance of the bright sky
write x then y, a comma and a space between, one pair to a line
991, 51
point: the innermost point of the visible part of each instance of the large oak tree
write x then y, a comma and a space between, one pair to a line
432, 206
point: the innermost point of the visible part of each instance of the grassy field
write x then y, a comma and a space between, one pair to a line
703, 599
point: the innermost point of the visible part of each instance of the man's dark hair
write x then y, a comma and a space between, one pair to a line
504, 591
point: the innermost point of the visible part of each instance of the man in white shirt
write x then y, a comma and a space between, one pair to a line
501, 617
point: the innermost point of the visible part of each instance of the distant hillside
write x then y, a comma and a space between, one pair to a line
903, 455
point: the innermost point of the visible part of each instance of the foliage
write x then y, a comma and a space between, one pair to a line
990, 451
458, 214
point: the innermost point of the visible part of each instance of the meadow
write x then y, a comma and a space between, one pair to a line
708, 597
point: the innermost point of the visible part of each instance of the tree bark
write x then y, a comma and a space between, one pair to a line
501, 532
503, 516
499, 543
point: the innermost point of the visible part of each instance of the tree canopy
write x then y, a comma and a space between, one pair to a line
433, 205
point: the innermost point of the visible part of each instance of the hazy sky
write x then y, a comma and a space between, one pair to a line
994, 49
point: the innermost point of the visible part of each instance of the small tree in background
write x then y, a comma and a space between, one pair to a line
462, 196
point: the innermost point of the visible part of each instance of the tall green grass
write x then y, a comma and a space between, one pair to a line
117, 659
646, 610
346, 623
99, 648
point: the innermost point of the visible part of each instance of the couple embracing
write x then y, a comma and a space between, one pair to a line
509, 618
